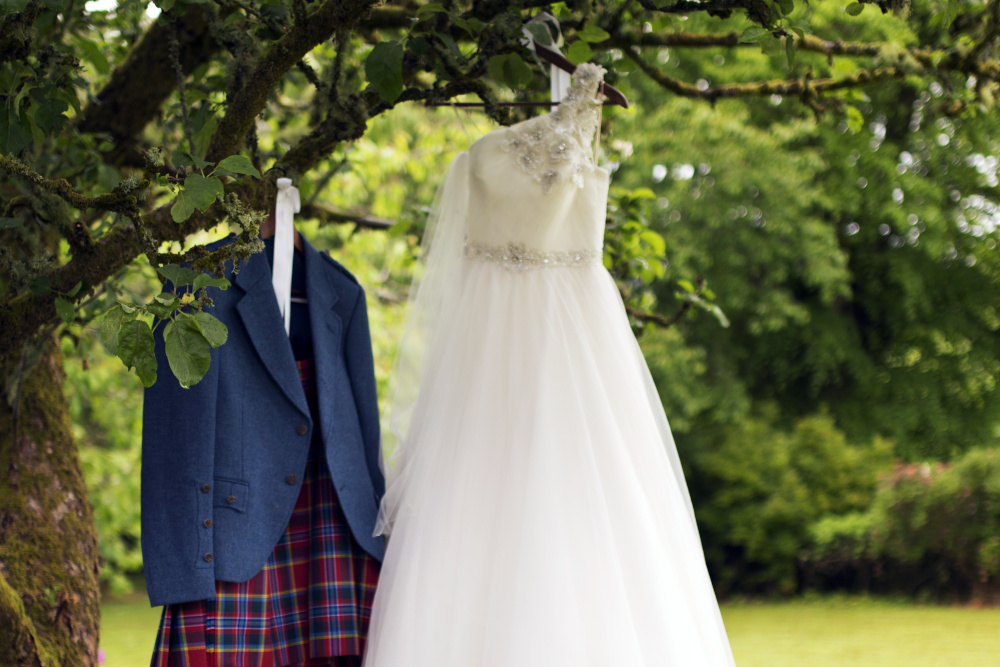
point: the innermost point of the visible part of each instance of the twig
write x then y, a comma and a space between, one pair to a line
175, 57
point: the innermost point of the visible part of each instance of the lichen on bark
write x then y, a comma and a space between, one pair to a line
49, 593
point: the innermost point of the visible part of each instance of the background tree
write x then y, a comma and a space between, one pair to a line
122, 136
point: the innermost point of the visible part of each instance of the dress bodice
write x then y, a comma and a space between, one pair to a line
534, 186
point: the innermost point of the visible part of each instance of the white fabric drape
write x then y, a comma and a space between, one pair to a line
285, 208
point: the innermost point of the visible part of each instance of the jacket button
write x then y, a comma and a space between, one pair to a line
291, 479
230, 499
302, 429
207, 523
205, 488
208, 558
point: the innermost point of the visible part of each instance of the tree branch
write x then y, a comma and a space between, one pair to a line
121, 200
756, 10
137, 88
624, 39
802, 87
656, 318
326, 215
281, 56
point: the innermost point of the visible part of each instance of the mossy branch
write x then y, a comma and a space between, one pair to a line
137, 89
691, 40
804, 87
282, 55
123, 199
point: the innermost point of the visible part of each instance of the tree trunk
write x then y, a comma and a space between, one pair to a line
49, 596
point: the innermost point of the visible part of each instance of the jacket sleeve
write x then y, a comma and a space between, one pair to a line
361, 368
178, 447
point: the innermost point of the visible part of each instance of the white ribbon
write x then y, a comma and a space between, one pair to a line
286, 206
559, 79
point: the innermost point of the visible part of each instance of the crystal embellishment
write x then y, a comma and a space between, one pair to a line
555, 148
517, 257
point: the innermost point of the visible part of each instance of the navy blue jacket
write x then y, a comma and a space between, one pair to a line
222, 462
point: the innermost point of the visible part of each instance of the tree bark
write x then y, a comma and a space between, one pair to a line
49, 559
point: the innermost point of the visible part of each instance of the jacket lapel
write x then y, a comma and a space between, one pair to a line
326, 329
258, 308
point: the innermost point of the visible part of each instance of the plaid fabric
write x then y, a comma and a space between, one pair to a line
310, 604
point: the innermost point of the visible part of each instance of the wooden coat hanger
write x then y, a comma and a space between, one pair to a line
613, 95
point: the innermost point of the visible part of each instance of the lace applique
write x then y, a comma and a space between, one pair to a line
517, 257
555, 147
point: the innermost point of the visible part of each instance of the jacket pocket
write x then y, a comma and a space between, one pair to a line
231, 494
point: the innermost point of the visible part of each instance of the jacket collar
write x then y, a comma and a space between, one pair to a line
258, 308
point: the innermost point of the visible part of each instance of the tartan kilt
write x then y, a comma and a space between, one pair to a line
310, 604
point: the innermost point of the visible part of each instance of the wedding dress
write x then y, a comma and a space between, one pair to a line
538, 512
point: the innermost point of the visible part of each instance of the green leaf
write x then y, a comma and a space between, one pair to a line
203, 136
770, 45
11, 223
204, 191
786, 6
188, 351
163, 305
136, 349
183, 207
275, 11
205, 280
14, 133
65, 310
25, 89
75, 290
471, 26
70, 97
92, 52
182, 157
164, 5
591, 33
50, 116
110, 326
238, 164
451, 44
41, 285
655, 242
37, 135
753, 34
855, 119
431, 8
854, 9
510, 70
384, 69
686, 285
540, 33
215, 332
178, 275
13, 6
579, 52
790, 51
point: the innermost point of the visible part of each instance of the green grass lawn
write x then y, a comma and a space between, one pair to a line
826, 632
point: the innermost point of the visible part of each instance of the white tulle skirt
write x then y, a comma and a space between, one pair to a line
540, 519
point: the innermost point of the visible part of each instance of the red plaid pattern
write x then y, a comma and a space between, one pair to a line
309, 606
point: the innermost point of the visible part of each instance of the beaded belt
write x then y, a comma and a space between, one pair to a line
516, 257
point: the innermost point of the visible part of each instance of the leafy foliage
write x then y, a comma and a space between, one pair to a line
933, 530
188, 337
767, 487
